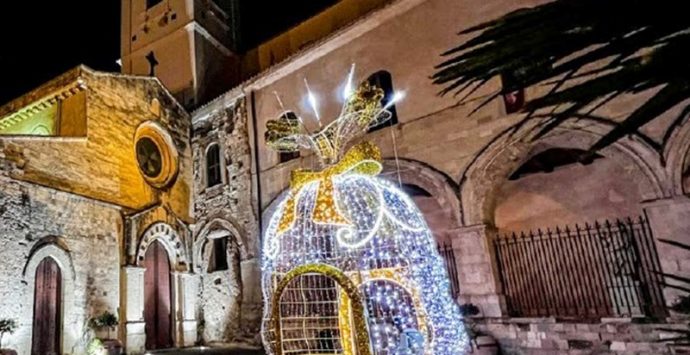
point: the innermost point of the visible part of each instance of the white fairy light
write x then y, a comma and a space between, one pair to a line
349, 87
395, 238
313, 102
397, 97
385, 241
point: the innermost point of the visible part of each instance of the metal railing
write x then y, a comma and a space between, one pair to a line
608, 269
448, 255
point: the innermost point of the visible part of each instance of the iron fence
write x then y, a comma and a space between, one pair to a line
448, 255
607, 269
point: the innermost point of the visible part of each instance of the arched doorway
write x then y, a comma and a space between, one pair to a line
47, 309
157, 298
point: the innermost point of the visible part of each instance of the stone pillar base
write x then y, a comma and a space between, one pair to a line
491, 305
136, 337
189, 328
477, 271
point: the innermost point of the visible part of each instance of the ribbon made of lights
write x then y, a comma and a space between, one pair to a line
363, 158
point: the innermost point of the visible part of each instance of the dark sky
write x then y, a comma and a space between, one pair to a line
41, 39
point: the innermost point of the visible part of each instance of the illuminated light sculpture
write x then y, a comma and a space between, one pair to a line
349, 265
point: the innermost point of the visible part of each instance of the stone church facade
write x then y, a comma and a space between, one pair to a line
82, 185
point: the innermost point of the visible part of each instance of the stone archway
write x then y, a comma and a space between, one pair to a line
71, 329
492, 166
170, 240
183, 286
677, 157
218, 228
222, 297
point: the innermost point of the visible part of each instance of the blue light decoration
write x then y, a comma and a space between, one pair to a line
347, 218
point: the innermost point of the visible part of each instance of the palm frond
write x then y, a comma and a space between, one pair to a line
592, 51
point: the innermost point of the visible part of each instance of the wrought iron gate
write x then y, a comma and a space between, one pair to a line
448, 255
596, 270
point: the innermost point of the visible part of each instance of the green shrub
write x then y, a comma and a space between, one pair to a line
7, 326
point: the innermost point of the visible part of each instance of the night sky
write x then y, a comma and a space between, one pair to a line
42, 39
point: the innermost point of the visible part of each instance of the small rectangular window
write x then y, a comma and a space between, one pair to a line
152, 3
287, 156
218, 260
213, 166
384, 81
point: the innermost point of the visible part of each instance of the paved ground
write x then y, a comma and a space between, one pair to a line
208, 351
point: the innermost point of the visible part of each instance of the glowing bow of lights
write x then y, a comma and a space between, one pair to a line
349, 265
362, 109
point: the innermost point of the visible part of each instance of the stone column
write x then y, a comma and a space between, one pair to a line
477, 270
133, 303
669, 220
185, 324
252, 302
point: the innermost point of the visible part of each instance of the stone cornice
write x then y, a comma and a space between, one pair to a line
318, 49
42, 98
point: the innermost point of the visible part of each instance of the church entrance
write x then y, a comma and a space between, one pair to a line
47, 309
157, 298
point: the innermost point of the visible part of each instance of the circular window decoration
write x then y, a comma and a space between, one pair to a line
149, 157
156, 155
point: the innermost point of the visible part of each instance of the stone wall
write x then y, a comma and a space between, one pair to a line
230, 300
81, 235
102, 165
464, 158
610, 336
87, 195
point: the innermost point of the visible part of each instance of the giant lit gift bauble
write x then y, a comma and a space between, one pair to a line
349, 265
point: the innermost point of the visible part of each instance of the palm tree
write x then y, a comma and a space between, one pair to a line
586, 53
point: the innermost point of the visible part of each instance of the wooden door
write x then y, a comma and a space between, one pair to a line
157, 298
47, 309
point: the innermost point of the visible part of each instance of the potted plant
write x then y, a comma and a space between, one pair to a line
107, 322
7, 326
481, 343
96, 347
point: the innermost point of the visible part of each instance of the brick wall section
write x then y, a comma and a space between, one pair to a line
669, 222
546, 336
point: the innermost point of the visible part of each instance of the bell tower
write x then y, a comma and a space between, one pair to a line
190, 45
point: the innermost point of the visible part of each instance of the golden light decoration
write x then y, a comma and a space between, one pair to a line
354, 248
364, 158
